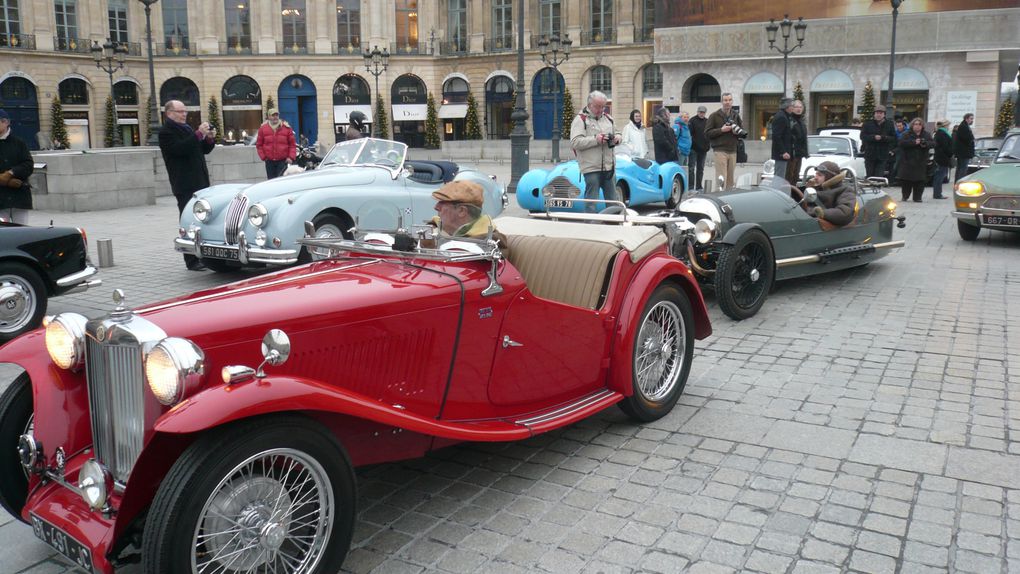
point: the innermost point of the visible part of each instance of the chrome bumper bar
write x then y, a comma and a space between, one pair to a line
245, 252
819, 257
77, 281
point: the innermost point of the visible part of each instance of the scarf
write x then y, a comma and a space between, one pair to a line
637, 124
274, 126
945, 131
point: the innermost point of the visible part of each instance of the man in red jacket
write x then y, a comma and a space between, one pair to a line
275, 144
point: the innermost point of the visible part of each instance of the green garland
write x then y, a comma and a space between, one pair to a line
868, 102
1007, 117
432, 140
473, 129
215, 121
568, 113
58, 129
382, 127
111, 121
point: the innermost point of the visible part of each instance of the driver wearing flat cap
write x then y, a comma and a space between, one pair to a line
459, 209
837, 198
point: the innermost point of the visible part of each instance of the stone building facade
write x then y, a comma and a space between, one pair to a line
307, 55
947, 62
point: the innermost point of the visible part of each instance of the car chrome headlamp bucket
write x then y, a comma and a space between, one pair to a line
705, 230
172, 368
258, 215
202, 210
94, 484
65, 340
29, 452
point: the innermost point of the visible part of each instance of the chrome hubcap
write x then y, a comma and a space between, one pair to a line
17, 303
662, 346
755, 275
325, 232
271, 513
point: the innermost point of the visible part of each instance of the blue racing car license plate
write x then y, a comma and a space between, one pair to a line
561, 203
215, 252
62, 542
1007, 220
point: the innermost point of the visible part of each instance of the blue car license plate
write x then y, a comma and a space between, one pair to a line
215, 252
69, 547
1007, 220
561, 203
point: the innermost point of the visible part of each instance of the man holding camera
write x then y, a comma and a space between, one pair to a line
723, 130
593, 137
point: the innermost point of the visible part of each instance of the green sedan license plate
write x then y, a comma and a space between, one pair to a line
1007, 220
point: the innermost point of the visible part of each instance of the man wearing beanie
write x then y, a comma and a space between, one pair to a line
15, 166
835, 196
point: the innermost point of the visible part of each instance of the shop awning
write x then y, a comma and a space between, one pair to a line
452, 111
342, 114
410, 112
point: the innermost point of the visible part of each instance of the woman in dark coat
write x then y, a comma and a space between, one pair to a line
664, 138
913, 166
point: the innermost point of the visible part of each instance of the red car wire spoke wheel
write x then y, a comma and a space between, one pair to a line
661, 358
16, 419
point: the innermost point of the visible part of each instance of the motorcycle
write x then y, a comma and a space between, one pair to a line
307, 158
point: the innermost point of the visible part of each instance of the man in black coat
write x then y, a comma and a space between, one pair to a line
963, 146
664, 138
878, 136
699, 149
782, 138
184, 151
15, 166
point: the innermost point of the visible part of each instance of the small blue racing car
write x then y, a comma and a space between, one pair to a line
638, 181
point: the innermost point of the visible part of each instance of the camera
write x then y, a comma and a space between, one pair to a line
737, 130
610, 139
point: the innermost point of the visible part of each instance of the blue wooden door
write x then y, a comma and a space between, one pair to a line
298, 106
547, 102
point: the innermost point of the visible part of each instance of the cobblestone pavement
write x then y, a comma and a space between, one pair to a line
863, 421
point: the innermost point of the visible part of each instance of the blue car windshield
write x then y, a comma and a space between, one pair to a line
367, 152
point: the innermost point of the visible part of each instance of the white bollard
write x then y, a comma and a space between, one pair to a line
105, 249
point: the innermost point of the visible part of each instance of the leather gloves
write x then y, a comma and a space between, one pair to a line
818, 212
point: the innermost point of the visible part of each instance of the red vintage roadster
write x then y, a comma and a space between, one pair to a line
165, 434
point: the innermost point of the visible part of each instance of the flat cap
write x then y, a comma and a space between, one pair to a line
702, 109
828, 167
880, 108
461, 192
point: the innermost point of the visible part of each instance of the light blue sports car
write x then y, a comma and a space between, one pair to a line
365, 181
638, 181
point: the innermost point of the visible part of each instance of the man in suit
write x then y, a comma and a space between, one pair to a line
184, 151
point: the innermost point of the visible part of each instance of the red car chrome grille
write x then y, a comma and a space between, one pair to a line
236, 212
115, 384
561, 187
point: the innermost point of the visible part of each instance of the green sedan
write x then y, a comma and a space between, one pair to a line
990, 198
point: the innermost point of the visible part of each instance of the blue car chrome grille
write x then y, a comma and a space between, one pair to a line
561, 187
236, 212
115, 384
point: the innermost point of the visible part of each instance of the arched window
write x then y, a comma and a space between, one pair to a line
74, 92
242, 108
499, 104
241, 91
602, 80
180, 88
351, 89
125, 93
455, 91
702, 88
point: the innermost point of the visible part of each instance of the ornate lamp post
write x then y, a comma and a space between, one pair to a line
892, 57
376, 63
109, 58
771, 28
558, 48
153, 138
520, 139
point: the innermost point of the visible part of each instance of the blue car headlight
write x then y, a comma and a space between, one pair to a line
258, 215
202, 210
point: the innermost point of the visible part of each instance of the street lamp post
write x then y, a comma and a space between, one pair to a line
799, 28
153, 138
109, 58
520, 139
557, 47
892, 57
376, 63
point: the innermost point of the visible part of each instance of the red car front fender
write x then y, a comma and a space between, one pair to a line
223, 404
655, 270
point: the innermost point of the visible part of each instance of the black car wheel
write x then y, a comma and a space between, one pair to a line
967, 231
22, 299
622, 191
661, 358
327, 226
261, 496
676, 192
15, 420
744, 275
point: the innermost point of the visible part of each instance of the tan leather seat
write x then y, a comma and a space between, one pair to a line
570, 271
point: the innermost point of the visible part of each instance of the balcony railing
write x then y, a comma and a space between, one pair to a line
236, 47
291, 48
350, 47
133, 48
174, 48
598, 36
453, 47
644, 35
18, 41
72, 45
499, 44
403, 48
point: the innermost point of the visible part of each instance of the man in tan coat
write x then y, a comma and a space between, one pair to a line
593, 137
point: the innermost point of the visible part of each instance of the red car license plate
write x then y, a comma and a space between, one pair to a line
219, 252
71, 549
1008, 220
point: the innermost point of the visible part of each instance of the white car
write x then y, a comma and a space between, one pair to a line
842, 150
